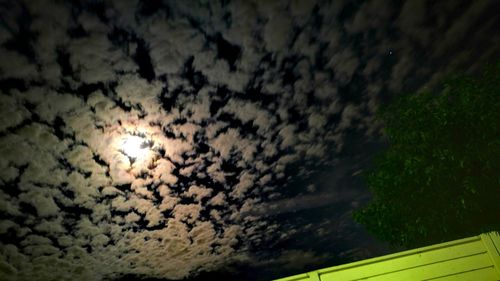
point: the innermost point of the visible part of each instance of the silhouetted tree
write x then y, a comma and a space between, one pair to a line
439, 178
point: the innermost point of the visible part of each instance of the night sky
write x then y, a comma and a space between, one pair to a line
167, 140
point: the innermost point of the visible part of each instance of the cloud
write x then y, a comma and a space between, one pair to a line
302, 202
246, 181
371, 15
345, 64
198, 192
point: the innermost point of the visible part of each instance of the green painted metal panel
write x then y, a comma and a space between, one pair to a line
473, 258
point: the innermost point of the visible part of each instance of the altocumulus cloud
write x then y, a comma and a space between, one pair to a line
224, 100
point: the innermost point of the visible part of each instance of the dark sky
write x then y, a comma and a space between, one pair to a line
252, 121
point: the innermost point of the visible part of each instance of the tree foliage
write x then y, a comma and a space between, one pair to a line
439, 179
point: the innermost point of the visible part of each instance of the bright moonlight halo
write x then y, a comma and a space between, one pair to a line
133, 146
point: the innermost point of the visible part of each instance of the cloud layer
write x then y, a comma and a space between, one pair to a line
233, 101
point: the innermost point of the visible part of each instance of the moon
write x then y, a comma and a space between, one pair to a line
135, 147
